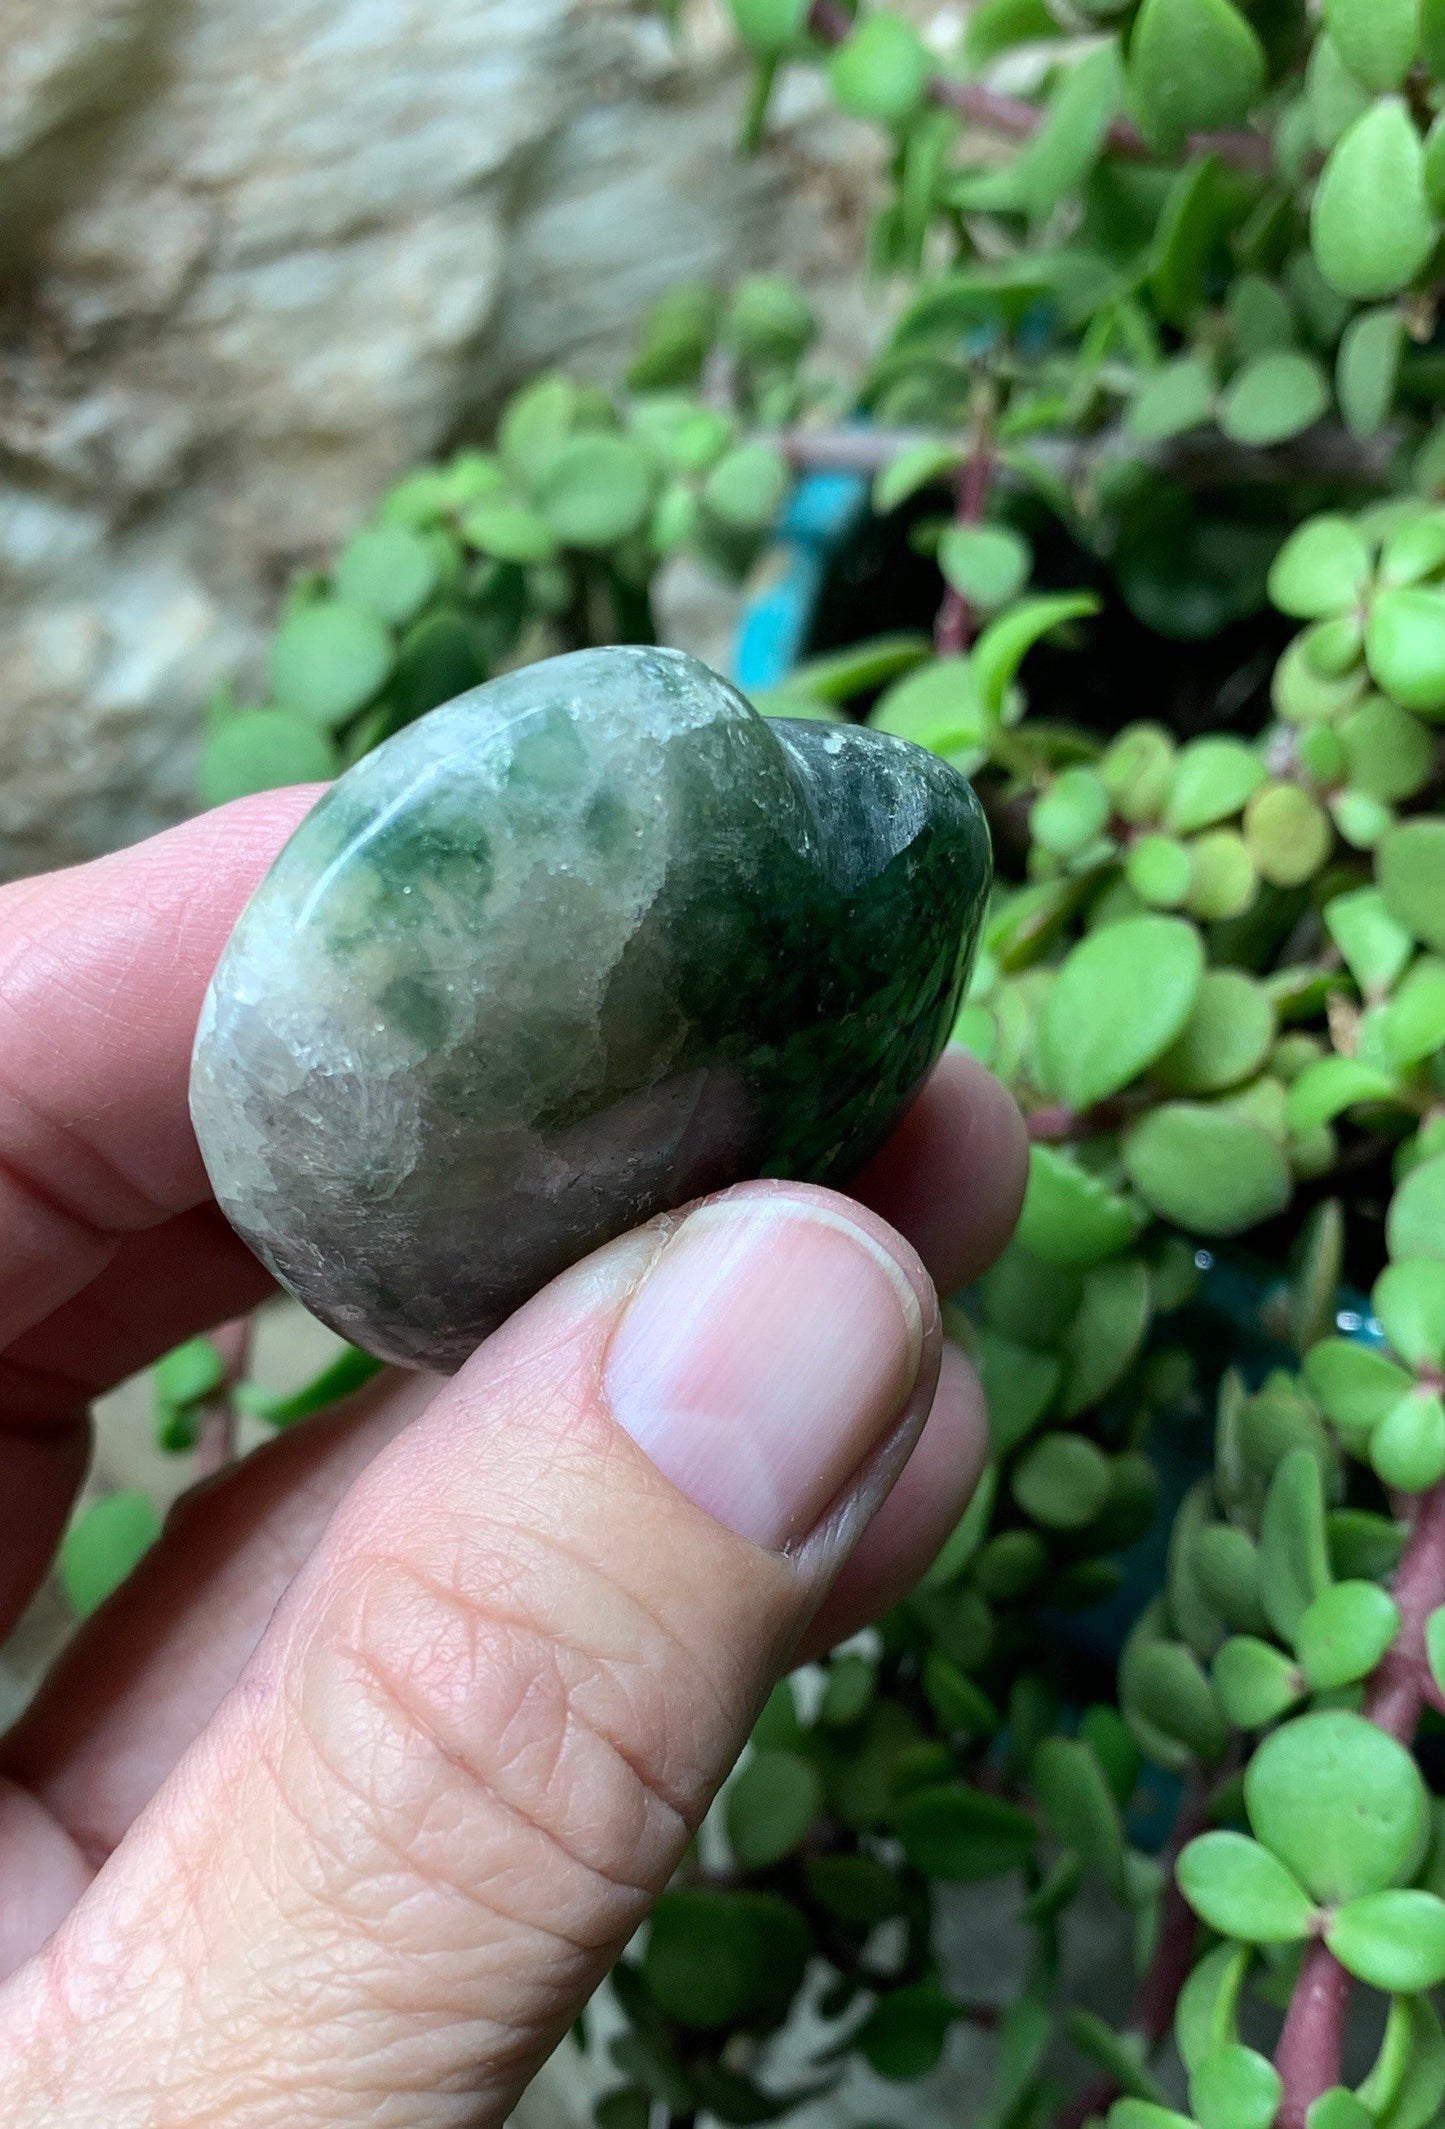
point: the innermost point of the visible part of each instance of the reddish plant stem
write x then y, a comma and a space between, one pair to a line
1310, 2044
216, 1437
953, 631
1401, 1685
1308, 2055
831, 22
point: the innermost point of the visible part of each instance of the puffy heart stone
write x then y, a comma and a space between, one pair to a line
576, 947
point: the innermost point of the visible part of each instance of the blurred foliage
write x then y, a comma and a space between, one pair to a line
1159, 398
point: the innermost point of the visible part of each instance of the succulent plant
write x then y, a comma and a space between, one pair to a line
1155, 430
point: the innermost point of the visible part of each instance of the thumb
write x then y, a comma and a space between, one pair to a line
477, 1737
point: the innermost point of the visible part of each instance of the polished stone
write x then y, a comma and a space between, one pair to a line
576, 947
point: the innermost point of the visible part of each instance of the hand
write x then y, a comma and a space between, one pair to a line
343, 1804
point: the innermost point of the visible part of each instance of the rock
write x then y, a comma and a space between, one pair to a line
576, 947
260, 260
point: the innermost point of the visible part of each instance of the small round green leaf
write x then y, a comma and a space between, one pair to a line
1435, 1645
1226, 1563
1410, 867
1414, 548
1206, 1169
1119, 1000
1407, 1449
388, 569
189, 1372
902, 2037
1322, 568
1412, 1024
1274, 397
1293, 1546
1225, 1039
1287, 833
1326, 1090
1138, 769
961, 1835
747, 486
856, 1888
1254, 1682
262, 750
770, 1806
770, 26
329, 659
1165, 1684
987, 564
1205, 2017
1071, 813
1223, 877
1353, 1384
1080, 1806
718, 1959
1340, 1802
1376, 946
103, 1544
1243, 1891
1405, 647
1062, 1481
1213, 779
1376, 39
1415, 1224
1130, 2113
1333, 97
1177, 396
1159, 870
1192, 64
1235, 2088
595, 490
938, 707
1345, 1632
1370, 225
1388, 753
1393, 1940
768, 322
1069, 1217
1409, 1300
1339, 2108
507, 530
1366, 368
881, 70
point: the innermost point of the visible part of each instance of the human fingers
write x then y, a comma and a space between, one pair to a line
178, 1636
102, 971
952, 1175
931, 1493
474, 1743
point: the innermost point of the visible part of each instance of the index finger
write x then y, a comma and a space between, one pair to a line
102, 973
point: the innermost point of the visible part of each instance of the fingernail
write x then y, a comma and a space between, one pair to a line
770, 1350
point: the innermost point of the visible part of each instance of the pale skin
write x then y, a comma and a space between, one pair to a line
339, 1810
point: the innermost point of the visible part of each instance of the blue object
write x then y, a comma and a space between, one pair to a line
773, 632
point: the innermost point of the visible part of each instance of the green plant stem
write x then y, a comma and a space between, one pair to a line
1246, 150
1152, 2011
1310, 2043
765, 73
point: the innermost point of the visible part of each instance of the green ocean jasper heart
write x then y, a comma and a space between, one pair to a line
576, 947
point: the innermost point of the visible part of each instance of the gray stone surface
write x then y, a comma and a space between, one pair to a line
256, 260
